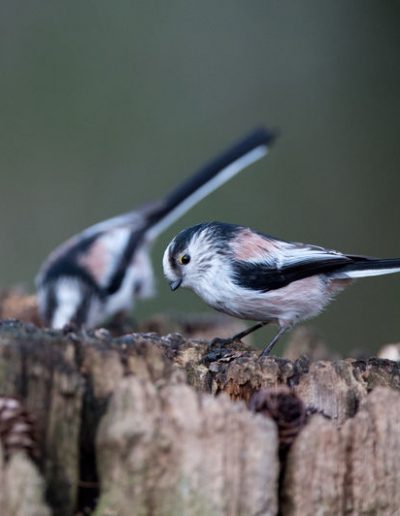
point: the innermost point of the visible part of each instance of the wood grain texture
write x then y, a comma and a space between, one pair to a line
348, 470
172, 451
22, 488
158, 424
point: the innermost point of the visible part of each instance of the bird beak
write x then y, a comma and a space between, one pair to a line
175, 284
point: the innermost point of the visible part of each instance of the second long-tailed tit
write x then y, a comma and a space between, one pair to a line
251, 275
99, 272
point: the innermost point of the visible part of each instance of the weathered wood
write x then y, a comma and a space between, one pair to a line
72, 382
21, 487
349, 470
65, 381
33, 366
171, 451
335, 388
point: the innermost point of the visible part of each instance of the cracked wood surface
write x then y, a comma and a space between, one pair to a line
166, 386
353, 469
22, 488
176, 451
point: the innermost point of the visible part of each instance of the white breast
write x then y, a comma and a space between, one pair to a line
298, 301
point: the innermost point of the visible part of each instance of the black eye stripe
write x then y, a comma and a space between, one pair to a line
172, 262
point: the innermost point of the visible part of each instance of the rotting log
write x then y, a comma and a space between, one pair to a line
66, 381
154, 399
204, 455
22, 488
349, 470
335, 388
35, 367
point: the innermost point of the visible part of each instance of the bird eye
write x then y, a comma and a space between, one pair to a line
184, 259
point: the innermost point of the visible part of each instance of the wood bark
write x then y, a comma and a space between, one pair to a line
22, 488
150, 424
204, 455
349, 470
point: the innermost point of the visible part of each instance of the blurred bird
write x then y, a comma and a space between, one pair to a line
99, 272
254, 276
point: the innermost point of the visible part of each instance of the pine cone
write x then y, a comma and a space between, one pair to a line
285, 408
16, 428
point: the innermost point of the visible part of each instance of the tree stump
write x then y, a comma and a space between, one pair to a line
21, 487
160, 425
176, 451
353, 469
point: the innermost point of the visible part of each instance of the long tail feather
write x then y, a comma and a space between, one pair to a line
210, 177
372, 267
153, 218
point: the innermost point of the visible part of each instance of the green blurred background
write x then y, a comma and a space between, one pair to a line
105, 105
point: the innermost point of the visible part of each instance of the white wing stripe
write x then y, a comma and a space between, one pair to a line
226, 173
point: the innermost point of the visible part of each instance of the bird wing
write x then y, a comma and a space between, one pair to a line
287, 262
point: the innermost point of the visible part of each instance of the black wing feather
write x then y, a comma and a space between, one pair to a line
264, 277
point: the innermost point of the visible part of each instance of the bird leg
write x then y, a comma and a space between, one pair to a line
238, 336
268, 348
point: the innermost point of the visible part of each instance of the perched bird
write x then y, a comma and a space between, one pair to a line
99, 272
251, 275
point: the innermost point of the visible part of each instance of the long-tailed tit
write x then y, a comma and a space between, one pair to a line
251, 275
98, 273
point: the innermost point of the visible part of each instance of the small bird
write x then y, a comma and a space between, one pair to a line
252, 275
99, 272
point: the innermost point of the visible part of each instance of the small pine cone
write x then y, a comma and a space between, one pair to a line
17, 430
285, 408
